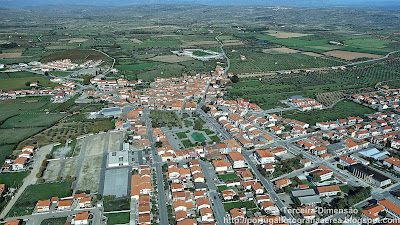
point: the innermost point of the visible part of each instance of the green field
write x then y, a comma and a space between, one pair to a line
215, 138
13, 179
15, 135
134, 67
5, 151
162, 70
19, 83
249, 205
29, 120
27, 201
118, 218
342, 110
116, 204
229, 177
199, 137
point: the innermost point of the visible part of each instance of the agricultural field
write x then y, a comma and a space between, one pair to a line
18, 80
351, 55
264, 62
27, 201
76, 55
341, 110
282, 34
32, 120
268, 90
315, 43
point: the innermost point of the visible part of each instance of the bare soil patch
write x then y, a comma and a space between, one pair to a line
136, 40
11, 55
351, 55
52, 170
95, 144
281, 34
89, 177
312, 54
282, 50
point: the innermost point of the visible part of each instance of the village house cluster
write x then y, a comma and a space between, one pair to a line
75, 202
141, 191
189, 193
58, 93
22, 160
304, 104
383, 99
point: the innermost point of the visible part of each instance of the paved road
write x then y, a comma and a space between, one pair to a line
104, 164
36, 219
162, 204
217, 206
224, 54
40, 155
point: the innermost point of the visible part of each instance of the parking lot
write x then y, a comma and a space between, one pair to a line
117, 181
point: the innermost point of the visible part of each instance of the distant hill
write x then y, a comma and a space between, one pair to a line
379, 4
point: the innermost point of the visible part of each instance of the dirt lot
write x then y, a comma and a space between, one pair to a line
69, 168
351, 55
114, 143
281, 34
279, 50
95, 144
171, 58
312, 54
52, 170
11, 55
134, 40
89, 177
74, 40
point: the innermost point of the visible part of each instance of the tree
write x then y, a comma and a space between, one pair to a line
158, 144
86, 80
198, 124
317, 178
62, 140
27, 83
234, 79
205, 108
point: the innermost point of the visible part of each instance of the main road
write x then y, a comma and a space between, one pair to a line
218, 208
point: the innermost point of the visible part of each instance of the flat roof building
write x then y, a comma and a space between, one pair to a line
119, 158
369, 175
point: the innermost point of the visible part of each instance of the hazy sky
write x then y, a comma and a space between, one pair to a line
302, 3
